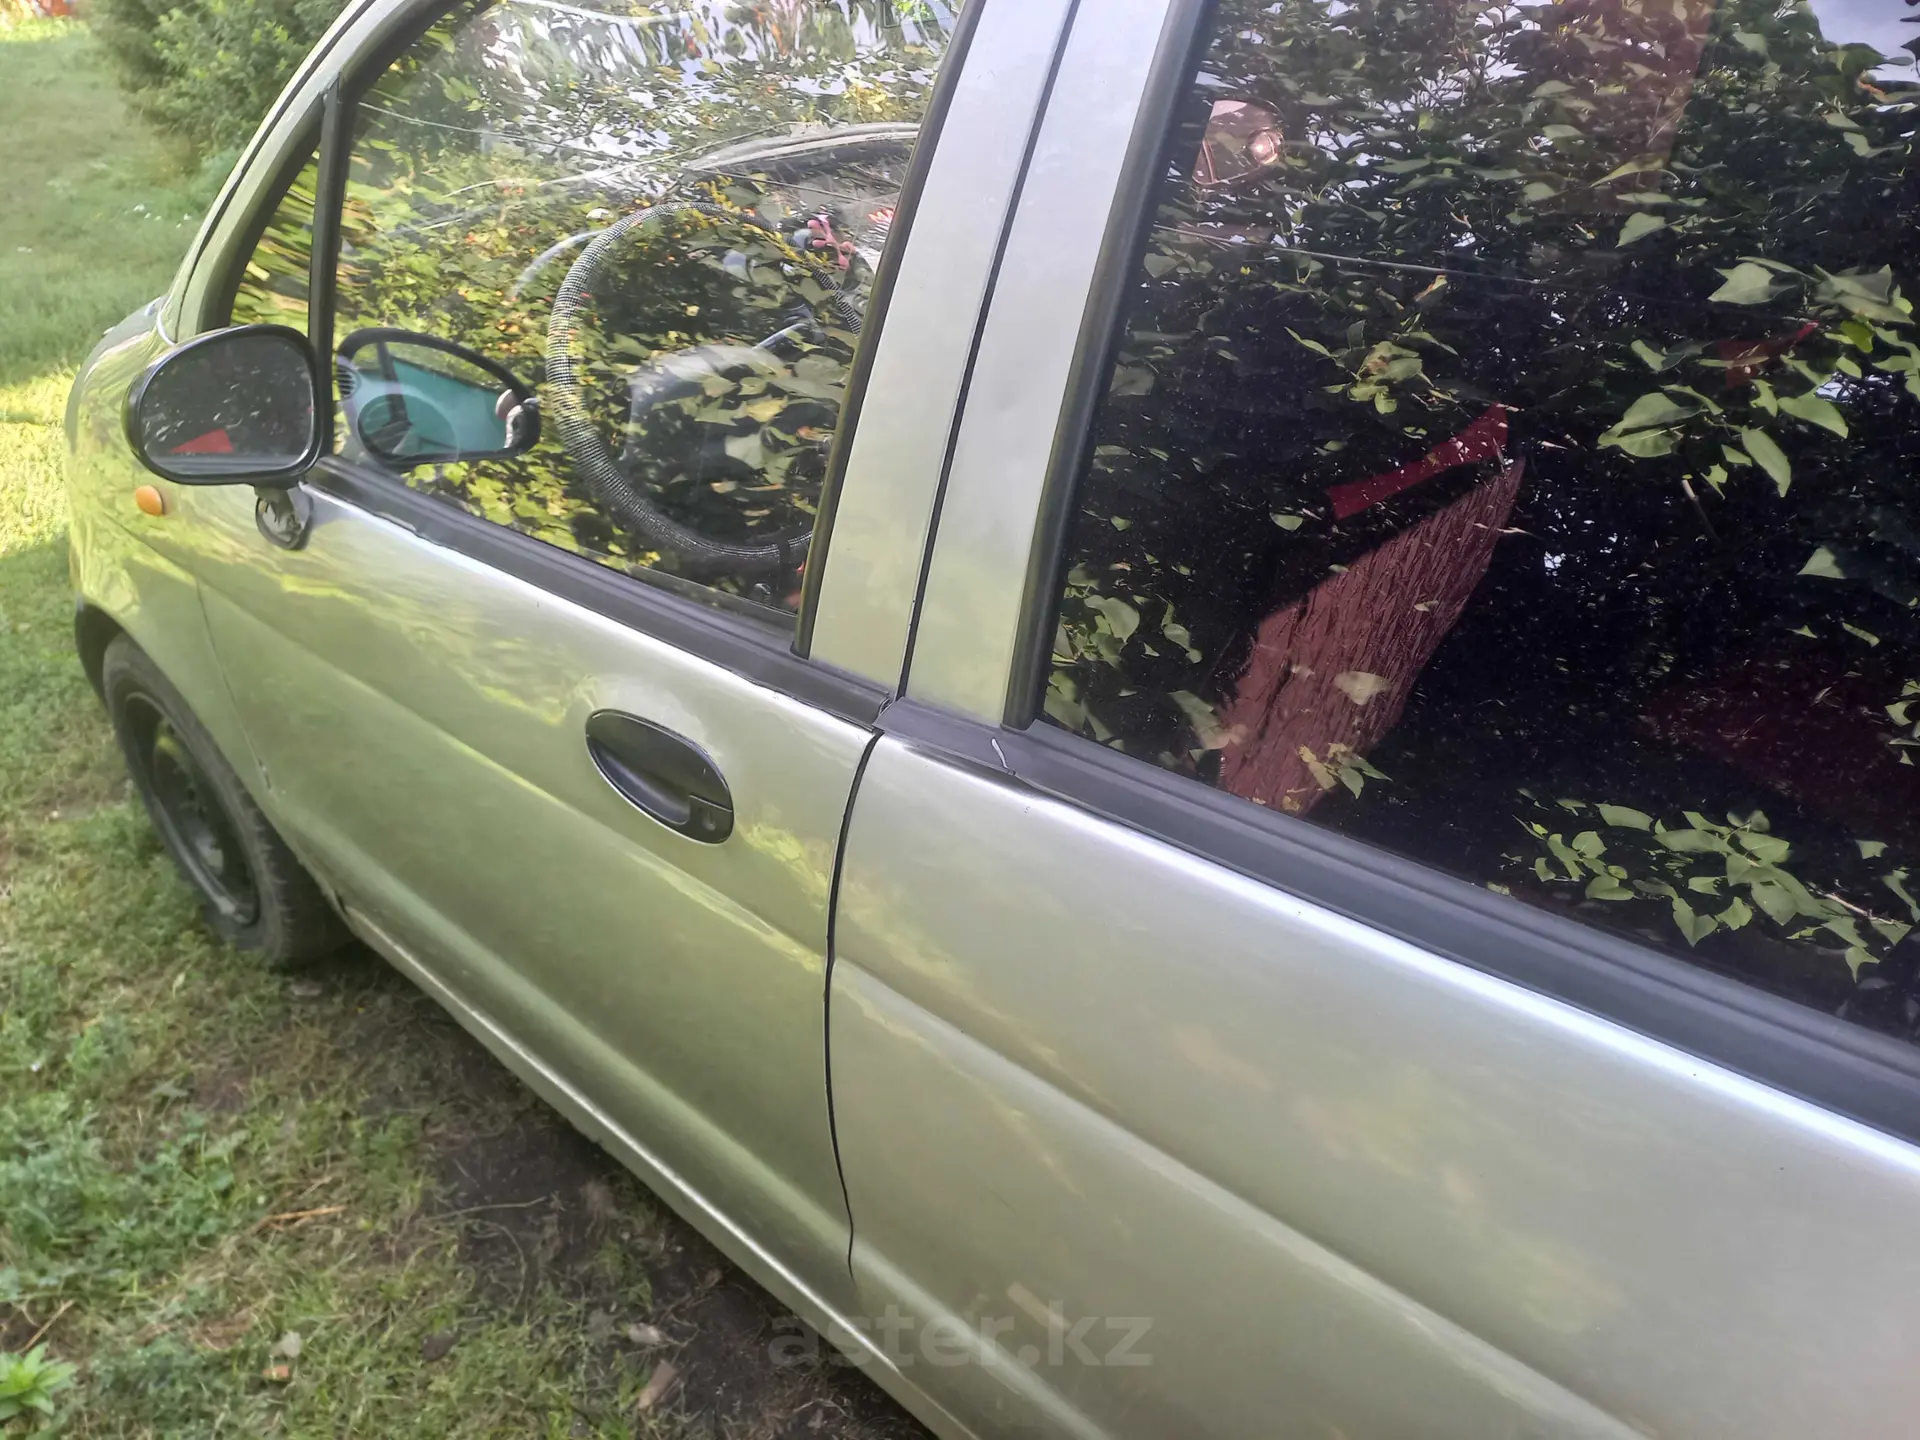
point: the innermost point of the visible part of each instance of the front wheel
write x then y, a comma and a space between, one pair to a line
252, 890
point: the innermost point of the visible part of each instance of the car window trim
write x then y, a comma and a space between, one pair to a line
1182, 38
874, 326
765, 652
230, 272
1845, 1068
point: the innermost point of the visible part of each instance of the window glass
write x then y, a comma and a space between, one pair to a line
664, 221
1509, 458
272, 288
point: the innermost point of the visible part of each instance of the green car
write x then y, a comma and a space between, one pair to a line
1198, 716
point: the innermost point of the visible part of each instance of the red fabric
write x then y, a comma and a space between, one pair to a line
1484, 439
1367, 632
1744, 357
1803, 723
214, 442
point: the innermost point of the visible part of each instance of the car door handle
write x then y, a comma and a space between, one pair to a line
661, 774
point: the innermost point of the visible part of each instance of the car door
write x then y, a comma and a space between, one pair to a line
534, 709
1360, 924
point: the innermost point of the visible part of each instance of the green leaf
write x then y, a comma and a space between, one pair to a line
1653, 359
1288, 522
1823, 563
1656, 407
1768, 457
1645, 444
747, 449
1625, 817
1121, 617
1694, 927
1638, 227
1692, 842
1746, 284
1867, 293
1736, 914
1157, 264
1892, 931
1776, 900
1815, 410
1769, 849
1201, 717
1633, 167
1871, 849
1845, 927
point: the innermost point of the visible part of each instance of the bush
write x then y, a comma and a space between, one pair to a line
208, 69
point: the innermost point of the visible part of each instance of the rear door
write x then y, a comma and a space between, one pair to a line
1385, 907
540, 718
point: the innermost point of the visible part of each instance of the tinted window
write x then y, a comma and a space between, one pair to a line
271, 288
1509, 459
667, 221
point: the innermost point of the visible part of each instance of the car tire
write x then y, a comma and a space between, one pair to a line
253, 891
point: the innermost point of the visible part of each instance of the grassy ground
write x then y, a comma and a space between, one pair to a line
243, 1204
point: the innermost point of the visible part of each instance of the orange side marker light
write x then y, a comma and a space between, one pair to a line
149, 500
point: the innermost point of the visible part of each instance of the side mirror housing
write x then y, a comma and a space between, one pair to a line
232, 407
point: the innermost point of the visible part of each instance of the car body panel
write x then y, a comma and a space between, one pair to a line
421, 720
1403, 1141
132, 567
1024, 992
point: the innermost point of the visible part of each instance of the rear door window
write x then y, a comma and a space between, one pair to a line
1509, 458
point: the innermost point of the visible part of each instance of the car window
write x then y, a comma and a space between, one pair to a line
271, 288
665, 222
1507, 459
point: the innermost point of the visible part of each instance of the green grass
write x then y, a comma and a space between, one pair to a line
199, 1157
97, 210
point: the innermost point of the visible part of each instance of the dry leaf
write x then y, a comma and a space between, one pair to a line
1360, 686
662, 1380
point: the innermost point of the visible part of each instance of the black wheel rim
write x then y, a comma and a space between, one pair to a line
189, 814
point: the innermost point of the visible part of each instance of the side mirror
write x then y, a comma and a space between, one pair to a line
414, 399
233, 407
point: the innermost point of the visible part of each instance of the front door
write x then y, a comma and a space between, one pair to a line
531, 704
